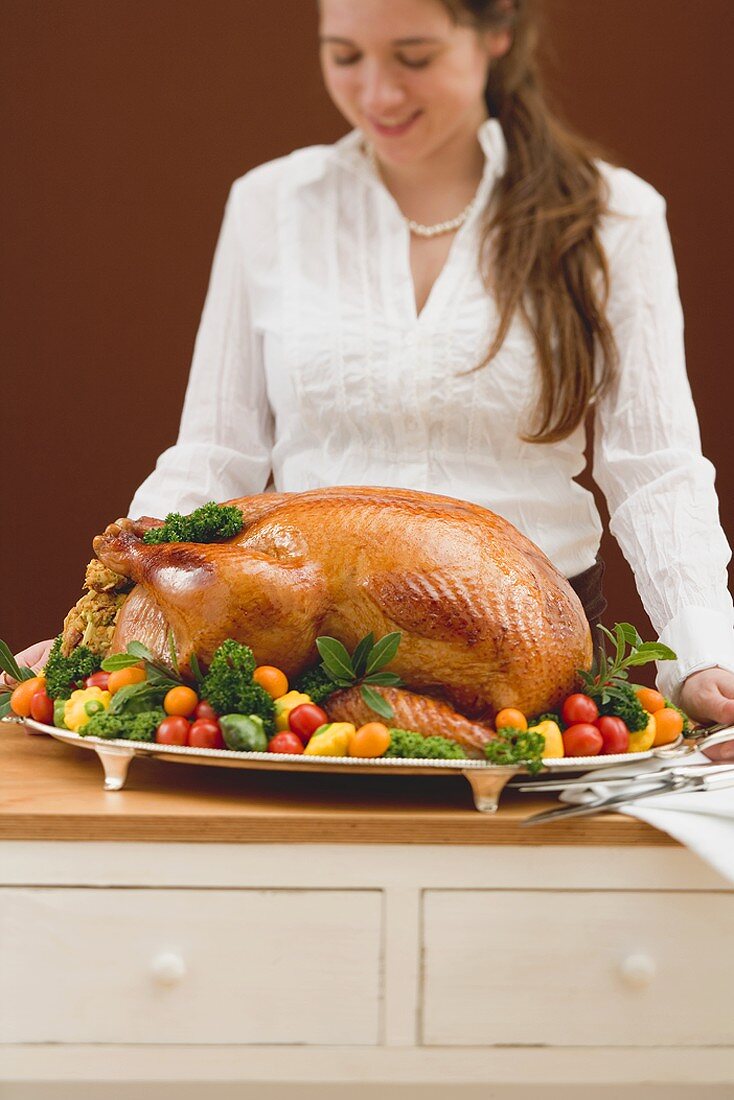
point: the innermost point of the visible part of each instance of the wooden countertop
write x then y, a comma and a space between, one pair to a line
52, 791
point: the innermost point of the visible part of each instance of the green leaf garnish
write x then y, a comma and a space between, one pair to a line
385, 679
629, 652
172, 652
376, 702
361, 653
9, 664
383, 652
140, 652
118, 661
336, 659
196, 668
359, 670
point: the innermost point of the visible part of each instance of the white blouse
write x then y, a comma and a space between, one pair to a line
311, 368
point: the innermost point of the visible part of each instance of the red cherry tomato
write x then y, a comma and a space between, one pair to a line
98, 680
305, 719
579, 708
42, 708
205, 710
206, 734
614, 733
173, 731
582, 739
285, 742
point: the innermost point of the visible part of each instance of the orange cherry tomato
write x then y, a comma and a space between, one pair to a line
651, 700
510, 718
123, 677
272, 680
668, 726
20, 700
371, 739
181, 700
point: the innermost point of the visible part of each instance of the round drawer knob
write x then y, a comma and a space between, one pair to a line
638, 970
167, 968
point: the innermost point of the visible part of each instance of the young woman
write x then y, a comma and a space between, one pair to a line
438, 300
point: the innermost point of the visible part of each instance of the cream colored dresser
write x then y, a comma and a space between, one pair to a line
211, 934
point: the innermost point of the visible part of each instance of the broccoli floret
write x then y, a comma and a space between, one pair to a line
623, 703
230, 689
516, 747
317, 683
210, 523
65, 674
411, 745
130, 727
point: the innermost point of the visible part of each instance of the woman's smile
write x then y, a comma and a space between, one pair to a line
394, 129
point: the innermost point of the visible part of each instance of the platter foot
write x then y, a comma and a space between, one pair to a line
487, 786
115, 762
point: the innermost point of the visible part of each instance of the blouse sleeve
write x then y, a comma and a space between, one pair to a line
226, 434
648, 462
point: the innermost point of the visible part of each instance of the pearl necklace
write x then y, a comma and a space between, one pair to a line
428, 230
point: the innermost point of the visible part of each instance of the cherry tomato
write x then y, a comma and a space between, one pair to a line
20, 700
173, 731
579, 708
582, 739
272, 679
651, 700
205, 710
98, 680
123, 677
42, 708
614, 733
206, 734
305, 719
668, 725
181, 700
510, 718
372, 739
285, 742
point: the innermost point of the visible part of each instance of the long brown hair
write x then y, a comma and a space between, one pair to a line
541, 252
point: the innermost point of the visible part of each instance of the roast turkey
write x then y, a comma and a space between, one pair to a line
486, 620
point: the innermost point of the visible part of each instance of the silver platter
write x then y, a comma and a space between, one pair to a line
487, 780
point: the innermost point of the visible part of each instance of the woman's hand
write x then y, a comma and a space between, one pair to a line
34, 657
708, 696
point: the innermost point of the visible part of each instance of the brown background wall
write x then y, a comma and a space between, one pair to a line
129, 121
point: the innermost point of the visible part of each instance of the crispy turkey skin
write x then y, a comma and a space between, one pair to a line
487, 621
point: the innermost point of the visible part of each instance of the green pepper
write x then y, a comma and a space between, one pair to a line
59, 705
243, 732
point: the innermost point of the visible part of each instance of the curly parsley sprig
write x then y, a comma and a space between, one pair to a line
211, 523
517, 747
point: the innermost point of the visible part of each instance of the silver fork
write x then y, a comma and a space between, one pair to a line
700, 777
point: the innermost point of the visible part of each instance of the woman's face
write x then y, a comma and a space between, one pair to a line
405, 74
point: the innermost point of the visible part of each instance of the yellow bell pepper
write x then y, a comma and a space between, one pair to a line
284, 704
549, 730
76, 714
330, 740
641, 740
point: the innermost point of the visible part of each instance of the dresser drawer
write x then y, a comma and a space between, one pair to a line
190, 966
572, 968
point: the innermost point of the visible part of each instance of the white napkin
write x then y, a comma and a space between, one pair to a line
702, 820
